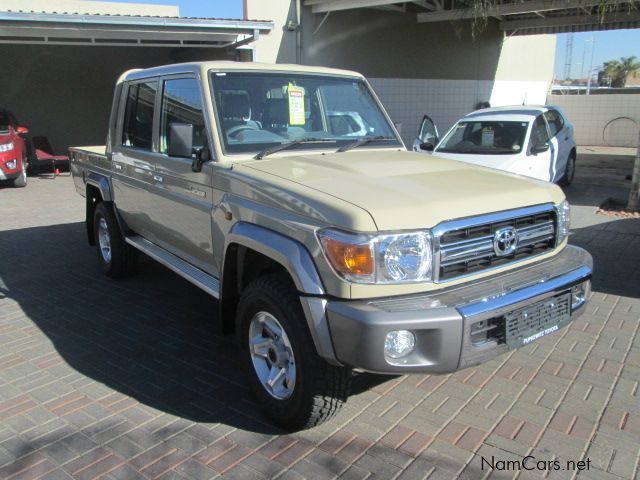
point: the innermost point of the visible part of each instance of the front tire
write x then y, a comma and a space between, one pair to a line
294, 386
116, 257
21, 181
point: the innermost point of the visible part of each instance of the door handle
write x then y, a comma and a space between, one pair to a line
117, 166
158, 178
566, 138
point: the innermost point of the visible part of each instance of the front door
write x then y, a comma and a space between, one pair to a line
541, 151
427, 136
183, 198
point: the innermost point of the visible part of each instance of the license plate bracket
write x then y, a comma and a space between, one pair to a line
532, 322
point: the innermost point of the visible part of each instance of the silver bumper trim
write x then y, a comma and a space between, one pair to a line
442, 320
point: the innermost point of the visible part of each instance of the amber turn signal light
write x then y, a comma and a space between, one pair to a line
348, 258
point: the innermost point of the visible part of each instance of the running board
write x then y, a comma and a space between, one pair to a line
206, 282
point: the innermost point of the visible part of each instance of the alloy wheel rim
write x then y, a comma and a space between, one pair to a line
272, 355
104, 240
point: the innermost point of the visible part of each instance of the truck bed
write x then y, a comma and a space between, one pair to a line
93, 158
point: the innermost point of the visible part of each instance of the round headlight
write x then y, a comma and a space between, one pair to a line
405, 257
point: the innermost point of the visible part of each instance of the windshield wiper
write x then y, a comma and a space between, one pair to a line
363, 141
284, 146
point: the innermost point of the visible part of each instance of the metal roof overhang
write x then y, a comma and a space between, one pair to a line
117, 30
515, 17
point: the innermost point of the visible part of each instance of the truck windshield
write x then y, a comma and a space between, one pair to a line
485, 138
256, 111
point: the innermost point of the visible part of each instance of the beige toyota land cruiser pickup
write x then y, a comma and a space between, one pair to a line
285, 192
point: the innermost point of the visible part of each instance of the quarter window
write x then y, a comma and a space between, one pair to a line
182, 103
138, 115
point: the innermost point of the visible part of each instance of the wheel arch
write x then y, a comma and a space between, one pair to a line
98, 189
252, 251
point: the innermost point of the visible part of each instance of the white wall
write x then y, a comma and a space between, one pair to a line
525, 70
444, 100
590, 114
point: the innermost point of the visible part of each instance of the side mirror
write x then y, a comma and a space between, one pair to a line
20, 130
427, 146
540, 148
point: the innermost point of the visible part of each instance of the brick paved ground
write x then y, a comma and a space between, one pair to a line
128, 379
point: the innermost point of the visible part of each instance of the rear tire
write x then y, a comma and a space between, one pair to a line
116, 257
21, 181
274, 341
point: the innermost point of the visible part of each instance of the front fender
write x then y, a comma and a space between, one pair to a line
292, 255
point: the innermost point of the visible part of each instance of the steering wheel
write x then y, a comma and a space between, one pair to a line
234, 131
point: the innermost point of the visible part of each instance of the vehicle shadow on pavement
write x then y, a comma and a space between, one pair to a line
152, 336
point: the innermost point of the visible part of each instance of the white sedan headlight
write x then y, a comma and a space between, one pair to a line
6, 147
379, 258
563, 212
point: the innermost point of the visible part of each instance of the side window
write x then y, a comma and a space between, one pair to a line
138, 115
555, 120
539, 134
182, 103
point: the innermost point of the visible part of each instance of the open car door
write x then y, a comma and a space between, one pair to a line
427, 136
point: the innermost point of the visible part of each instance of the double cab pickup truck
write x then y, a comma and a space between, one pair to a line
285, 192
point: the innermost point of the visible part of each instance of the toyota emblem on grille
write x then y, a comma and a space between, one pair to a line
505, 241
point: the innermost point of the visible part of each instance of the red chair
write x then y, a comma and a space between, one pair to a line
44, 154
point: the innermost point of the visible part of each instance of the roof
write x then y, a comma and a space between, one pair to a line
240, 66
138, 30
515, 112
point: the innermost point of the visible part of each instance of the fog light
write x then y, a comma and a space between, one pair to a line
578, 295
11, 164
399, 343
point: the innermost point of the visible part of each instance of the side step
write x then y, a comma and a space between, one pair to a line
206, 282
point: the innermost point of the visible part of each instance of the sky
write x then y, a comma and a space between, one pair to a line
199, 8
607, 45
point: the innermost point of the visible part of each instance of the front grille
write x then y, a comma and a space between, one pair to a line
469, 249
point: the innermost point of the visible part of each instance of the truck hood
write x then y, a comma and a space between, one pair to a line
404, 190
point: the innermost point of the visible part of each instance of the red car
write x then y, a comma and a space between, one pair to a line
14, 153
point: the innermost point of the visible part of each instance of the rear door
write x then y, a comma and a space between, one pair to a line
559, 133
182, 198
132, 155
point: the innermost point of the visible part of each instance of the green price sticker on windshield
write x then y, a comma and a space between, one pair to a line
296, 105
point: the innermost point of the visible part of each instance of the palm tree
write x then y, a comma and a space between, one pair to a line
618, 70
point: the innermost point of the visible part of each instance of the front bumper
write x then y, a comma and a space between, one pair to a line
443, 321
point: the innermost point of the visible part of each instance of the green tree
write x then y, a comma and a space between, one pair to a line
617, 71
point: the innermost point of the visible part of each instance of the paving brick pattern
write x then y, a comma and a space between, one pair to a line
129, 379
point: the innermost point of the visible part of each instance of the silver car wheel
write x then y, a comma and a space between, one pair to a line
272, 355
104, 240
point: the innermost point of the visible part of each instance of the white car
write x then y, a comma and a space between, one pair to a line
536, 141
